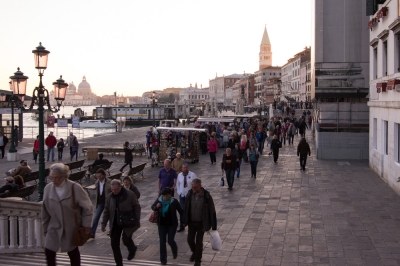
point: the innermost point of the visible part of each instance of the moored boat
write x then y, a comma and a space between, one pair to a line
99, 123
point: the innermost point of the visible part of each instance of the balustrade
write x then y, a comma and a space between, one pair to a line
20, 226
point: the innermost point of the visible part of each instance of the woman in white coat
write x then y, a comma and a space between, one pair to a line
58, 220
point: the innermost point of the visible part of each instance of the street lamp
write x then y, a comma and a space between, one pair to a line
40, 97
154, 99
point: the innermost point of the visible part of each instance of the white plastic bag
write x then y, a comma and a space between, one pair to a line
215, 240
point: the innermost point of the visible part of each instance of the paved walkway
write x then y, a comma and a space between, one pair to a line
334, 213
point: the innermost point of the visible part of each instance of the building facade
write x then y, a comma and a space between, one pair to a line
384, 92
78, 97
193, 96
262, 76
218, 86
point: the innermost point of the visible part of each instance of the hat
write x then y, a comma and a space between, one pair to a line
9, 179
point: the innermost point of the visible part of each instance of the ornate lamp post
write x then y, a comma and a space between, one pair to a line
40, 97
154, 99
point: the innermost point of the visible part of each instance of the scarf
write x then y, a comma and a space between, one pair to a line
165, 205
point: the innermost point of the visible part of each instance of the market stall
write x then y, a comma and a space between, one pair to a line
183, 140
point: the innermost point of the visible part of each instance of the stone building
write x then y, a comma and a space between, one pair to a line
78, 97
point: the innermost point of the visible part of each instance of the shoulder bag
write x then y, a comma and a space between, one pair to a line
154, 217
79, 238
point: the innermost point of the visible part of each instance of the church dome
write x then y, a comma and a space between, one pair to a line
71, 88
84, 87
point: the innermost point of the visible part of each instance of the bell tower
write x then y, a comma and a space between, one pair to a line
265, 55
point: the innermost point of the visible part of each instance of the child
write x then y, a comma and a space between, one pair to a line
60, 148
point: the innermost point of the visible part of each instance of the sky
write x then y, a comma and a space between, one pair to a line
132, 46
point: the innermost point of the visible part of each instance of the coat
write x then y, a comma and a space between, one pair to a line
173, 208
107, 188
58, 217
212, 146
51, 141
128, 203
276, 144
128, 155
303, 148
177, 164
22, 170
209, 216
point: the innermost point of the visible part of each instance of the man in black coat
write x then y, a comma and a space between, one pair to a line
303, 149
3, 143
275, 146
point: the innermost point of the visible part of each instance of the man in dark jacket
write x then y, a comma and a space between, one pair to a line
100, 160
10, 186
200, 216
302, 150
3, 143
275, 146
229, 164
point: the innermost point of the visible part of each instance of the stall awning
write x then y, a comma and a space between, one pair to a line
381, 86
392, 83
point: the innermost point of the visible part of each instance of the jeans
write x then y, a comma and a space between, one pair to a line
115, 243
195, 239
238, 170
182, 201
212, 157
126, 164
96, 218
163, 231
230, 177
73, 154
48, 153
253, 165
261, 147
60, 152
150, 152
290, 138
276, 154
74, 257
303, 161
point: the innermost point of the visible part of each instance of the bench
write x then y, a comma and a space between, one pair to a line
34, 176
75, 165
138, 169
105, 166
20, 193
76, 177
114, 150
93, 187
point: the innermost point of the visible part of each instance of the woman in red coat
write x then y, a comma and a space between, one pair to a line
36, 148
212, 146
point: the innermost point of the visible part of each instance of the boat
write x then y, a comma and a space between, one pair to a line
99, 123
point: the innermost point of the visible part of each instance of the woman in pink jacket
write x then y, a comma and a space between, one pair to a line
212, 146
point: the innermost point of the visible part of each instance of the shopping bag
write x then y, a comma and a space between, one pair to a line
222, 182
215, 240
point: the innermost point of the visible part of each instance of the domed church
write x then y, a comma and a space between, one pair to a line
82, 96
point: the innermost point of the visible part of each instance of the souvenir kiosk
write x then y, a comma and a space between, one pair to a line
183, 140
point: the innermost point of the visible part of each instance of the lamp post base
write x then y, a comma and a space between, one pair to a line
12, 156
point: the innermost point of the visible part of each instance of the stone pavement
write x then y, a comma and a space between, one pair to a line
334, 213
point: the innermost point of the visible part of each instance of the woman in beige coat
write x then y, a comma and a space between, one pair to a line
57, 214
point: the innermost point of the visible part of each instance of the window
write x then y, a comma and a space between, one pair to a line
375, 61
384, 59
375, 133
385, 137
397, 142
397, 52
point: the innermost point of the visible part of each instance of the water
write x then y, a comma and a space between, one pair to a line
31, 126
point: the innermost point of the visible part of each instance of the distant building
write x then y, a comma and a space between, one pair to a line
82, 96
262, 76
265, 54
218, 86
193, 96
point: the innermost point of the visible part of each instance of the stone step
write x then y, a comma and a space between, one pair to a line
63, 259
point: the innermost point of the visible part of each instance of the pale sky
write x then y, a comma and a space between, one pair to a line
132, 46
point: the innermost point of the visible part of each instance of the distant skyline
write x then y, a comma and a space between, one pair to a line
135, 46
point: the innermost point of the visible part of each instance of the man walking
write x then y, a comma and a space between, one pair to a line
200, 216
182, 188
69, 141
102, 188
229, 164
3, 143
50, 142
302, 150
120, 205
167, 177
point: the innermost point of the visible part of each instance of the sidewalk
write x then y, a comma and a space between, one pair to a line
334, 213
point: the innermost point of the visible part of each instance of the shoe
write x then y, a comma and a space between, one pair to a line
174, 256
132, 254
163, 263
92, 236
237, 177
192, 258
108, 233
254, 176
181, 229
197, 263
304, 169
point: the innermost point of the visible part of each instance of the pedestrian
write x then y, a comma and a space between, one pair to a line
275, 146
225, 137
253, 155
70, 138
177, 163
167, 206
50, 142
200, 217
149, 143
309, 121
167, 177
128, 156
128, 184
103, 188
239, 155
291, 132
35, 150
121, 205
74, 148
60, 148
212, 146
302, 150
23, 169
182, 188
243, 147
16, 136
3, 143
58, 215
229, 164
302, 128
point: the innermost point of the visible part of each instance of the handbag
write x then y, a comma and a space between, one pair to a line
215, 240
222, 182
154, 217
79, 238
126, 219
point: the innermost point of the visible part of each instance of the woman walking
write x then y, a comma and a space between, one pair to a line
253, 155
128, 156
36, 148
275, 146
239, 155
167, 206
74, 148
58, 211
212, 149
60, 148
